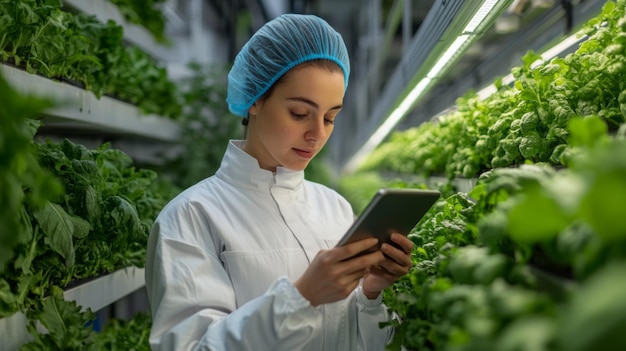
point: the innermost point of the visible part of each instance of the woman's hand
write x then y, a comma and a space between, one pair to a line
397, 263
335, 273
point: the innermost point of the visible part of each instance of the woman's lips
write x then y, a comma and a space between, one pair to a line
304, 153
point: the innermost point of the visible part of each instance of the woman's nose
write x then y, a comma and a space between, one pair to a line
317, 131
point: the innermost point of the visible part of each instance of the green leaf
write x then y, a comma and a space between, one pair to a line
91, 203
81, 227
586, 131
603, 206
532, 333
58, 227
65, 324
535, 217
29, 285
472, 264
529, 58
595, 319
8, 301
26, 256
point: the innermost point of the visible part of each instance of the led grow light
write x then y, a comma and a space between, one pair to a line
452, 52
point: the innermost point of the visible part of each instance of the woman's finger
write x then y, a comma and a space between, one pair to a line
392, 268
405, 244
350, 250
363, 261
394, 254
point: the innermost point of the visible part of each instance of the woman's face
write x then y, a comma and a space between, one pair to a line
292, 125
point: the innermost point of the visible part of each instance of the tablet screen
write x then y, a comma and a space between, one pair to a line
391, 210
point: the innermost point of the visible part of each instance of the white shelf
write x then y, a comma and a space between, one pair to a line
103, 291
79, 109
464, 185
94, 294
135, 34
13, 332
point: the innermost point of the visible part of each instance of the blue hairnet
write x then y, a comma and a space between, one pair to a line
277, 47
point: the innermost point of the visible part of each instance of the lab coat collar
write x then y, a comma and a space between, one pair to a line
241, 169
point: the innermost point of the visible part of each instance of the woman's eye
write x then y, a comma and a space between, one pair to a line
329, 121
299, 115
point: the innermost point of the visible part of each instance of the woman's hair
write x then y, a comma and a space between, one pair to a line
280, 45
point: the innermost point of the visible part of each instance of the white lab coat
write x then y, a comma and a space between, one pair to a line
222, 257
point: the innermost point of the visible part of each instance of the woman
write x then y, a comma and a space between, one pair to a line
246, 259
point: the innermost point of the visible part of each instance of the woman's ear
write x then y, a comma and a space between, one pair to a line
252, 110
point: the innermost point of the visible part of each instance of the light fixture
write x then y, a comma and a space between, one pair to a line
487, 11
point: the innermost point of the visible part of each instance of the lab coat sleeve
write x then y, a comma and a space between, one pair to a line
193, 304
370, 313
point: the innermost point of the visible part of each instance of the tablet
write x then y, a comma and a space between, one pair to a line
391, 210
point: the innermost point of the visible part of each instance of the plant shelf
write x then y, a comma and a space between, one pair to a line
94, 294
105, 290
80, 110
464, 185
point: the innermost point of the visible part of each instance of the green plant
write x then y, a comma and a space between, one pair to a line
147, 13
77, 48
22, 180
526, 122
64, 322
507, 267
132, 334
